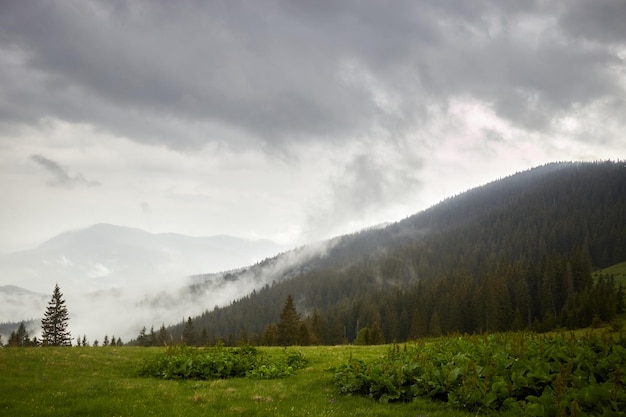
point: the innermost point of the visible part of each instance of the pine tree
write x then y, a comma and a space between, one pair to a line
20, 338
270, 336
153, 337
289, 324
204, 337
163, 336
13, 341
434, 328
317, 329
419, 325
304, 335
189, 333
55, 321
142, 339
376, 335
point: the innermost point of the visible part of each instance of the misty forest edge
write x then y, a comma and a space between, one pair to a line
515, 254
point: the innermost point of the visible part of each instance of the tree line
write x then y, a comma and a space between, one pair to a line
515, 254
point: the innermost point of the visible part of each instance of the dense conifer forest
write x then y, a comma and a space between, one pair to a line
517, 253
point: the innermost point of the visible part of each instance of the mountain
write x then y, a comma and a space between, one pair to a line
105, 271
105, 256
517, 252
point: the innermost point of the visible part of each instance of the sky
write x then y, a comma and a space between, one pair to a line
294, 121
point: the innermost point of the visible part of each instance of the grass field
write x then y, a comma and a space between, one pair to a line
618, 271
103, 381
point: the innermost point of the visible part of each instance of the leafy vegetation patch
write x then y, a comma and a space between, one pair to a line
183, 362
535, 375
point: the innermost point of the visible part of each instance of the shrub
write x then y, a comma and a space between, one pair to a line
182, 362
534, 375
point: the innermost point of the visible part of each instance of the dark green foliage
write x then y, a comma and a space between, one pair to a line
143, 339
20, 338
367, 336
82, 342
270, 336
183, 362
513, 254
189, 333
55, 322
163, 337
289, 324
535, 375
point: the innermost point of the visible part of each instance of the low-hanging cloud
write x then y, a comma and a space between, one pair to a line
371, 182
60, 176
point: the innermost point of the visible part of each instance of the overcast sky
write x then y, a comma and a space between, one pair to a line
291, 120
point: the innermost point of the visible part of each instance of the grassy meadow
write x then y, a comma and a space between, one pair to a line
104, 381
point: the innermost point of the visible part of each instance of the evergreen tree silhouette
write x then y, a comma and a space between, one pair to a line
55, 321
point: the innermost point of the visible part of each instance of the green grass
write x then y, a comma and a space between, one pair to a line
104, 381
618, 271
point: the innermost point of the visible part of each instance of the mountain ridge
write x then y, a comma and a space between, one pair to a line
546, 214
103, 243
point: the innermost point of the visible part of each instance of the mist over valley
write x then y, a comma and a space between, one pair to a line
117, 278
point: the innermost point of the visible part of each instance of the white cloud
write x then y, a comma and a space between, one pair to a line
98, 271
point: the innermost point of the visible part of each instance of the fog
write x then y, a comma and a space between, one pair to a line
117, 280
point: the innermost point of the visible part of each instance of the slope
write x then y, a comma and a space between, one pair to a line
522, 229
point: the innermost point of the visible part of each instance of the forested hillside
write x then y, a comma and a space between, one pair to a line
513, 254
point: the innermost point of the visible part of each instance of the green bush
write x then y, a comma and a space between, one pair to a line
538, 376
182, 362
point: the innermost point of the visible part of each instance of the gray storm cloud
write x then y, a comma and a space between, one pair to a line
389, 97
274, 69
59, 175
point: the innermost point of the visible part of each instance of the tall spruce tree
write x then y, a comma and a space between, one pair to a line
55, 321
189, 333
289, 324
163, 336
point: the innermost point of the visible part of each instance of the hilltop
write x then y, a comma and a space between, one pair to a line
514, 253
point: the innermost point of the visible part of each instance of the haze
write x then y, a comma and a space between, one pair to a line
290, 121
